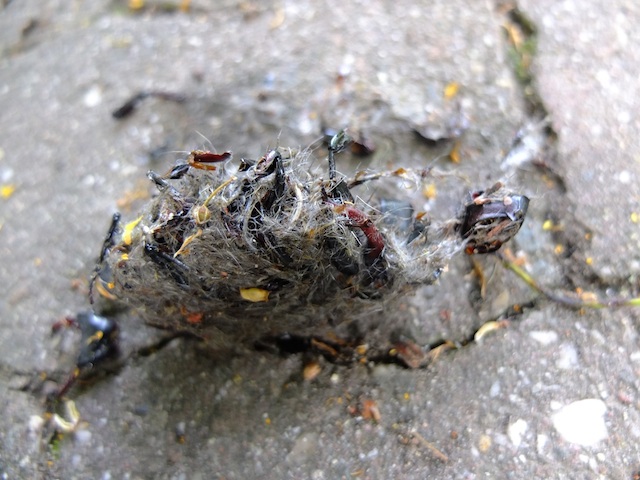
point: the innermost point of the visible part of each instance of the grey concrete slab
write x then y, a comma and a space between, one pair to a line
587, 72
260, 74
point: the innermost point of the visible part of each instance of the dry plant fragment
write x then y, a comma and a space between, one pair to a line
311, 370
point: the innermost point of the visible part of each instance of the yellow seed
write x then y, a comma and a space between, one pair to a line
549, 226
451, 90
484, 444
254, 294
136, 4
127, 232
104, 289
430, 191
454, 154
96, 337
635, 218
558, 249
7, 190
589, 260
588, 297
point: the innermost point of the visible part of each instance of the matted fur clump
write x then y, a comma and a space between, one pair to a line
237, 251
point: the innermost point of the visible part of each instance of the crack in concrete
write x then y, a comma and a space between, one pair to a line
574, 236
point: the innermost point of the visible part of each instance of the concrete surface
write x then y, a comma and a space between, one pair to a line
261, 73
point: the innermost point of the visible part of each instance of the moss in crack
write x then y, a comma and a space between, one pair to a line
522, 42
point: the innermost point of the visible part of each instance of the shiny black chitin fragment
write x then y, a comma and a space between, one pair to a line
492, 218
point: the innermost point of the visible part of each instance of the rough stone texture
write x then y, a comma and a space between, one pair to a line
586, 70
262, 73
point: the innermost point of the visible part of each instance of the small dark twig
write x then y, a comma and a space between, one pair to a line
130, 105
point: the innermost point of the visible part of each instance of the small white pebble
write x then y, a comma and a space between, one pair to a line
555, 405
82, 436
624, 177
582, 422
35, 423
545, 337
568, 357
93, 97
604, 78
541, 443
495, 389
516, 431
